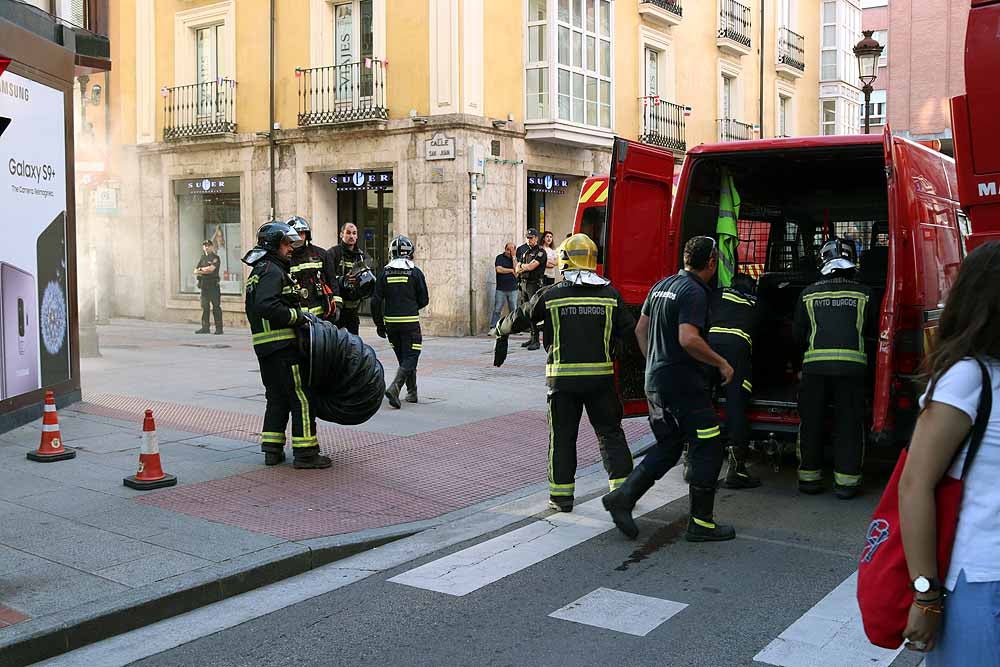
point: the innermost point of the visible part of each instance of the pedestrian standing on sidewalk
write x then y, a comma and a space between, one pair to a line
506, 290
400, 294
957, 621
354, 275
551, 262
671, 334
208, 282
585, 321
529, 269
274, 311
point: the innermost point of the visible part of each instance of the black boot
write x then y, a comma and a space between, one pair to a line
739, 476
203, 330
701, 525
811, 488
274, 458
411, 387
392, 391
620, 502
533, 343
309, 457
846, 492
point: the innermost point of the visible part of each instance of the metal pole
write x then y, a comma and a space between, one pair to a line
270, 128
473, 215
867, 90
760, 110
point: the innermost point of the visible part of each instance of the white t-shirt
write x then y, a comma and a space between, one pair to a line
977, 542
551, 272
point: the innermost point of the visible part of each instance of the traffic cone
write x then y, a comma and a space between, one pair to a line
51, 448
150, 474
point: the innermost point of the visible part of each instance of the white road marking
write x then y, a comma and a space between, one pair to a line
469, 570
828, 635
620, 611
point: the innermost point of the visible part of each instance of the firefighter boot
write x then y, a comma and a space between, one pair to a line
701, 526
274, 458
392, 391
739, 476
310, 458
411, 387
533, 343
620, 502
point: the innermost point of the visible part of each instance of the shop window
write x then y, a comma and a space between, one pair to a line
209, 208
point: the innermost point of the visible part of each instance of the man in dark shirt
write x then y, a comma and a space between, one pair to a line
530, 267
671, 333
506, 291
208, 281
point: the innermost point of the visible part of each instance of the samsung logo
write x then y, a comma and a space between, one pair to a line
988, 189
14, 90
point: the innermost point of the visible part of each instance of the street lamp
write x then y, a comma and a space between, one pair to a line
867, 51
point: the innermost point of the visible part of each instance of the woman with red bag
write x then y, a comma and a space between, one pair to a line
957, 621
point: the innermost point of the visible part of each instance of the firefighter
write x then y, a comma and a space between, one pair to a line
315, 274
274, 311
354, 276
584, 320
400, 293
671, 334
733, 324
530, 269
832, 319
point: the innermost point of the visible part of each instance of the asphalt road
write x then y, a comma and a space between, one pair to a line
791, 552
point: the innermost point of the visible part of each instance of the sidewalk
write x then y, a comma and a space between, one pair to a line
82, 556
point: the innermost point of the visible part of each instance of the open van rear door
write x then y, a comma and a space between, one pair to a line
886, 333
638, 220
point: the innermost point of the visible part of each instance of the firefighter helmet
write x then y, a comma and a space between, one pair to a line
358, 284
269, 238
401, 247
836, 255
578, 253
300, 225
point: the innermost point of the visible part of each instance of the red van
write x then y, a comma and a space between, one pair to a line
897, 200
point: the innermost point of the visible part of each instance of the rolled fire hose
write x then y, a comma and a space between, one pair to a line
346, 377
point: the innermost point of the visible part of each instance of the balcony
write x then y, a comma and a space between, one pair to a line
340, 94
734, 28
84, 30
791, 63
199, 110
667, 13
734, 130
662, 124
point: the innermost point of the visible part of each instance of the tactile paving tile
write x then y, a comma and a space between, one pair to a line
233, 425
399, 480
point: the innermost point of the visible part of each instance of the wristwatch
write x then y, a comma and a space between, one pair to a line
924, 584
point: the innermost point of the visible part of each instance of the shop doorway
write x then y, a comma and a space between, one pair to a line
372, 212
551, 207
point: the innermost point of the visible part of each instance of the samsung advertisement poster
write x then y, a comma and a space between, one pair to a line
34, 304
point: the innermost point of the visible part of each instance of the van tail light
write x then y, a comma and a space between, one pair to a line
909, 350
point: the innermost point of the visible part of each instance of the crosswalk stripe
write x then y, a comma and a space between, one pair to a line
473, 568
620, 611
828, 634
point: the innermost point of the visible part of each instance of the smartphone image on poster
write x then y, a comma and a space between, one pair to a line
20, 330
53, 313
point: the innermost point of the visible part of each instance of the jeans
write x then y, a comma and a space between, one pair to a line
970, 631
499, 299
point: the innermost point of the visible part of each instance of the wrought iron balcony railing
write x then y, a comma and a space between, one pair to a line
734, 22
347, 93
199, 110
734, 130
791, 49
663, 125
672, 6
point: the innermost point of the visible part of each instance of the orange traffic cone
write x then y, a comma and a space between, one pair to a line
150, 474
51, 447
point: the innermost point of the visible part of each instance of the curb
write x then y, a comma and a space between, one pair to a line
43, 638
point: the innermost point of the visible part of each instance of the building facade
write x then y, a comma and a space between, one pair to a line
840, 96
457, 122
875, 17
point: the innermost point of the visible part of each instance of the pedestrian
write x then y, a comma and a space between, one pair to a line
208, 282
400, 294
530, 268
832, 319
274, 311
354, 276
585, 321
957, 621
506, 289
733, 326
315, 275
671, 332
551, 262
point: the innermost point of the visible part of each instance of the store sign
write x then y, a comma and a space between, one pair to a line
549, 184
360, 180
440, 147
207, 186
106, 201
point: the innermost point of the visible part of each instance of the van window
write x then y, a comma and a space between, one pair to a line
751, 253
592, 223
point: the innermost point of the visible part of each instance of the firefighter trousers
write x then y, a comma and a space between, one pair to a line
407, 346
847, 394
349, 320
738, 392
681, 412
287, 392
604, 410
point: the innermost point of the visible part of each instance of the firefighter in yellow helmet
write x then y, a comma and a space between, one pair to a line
585, 320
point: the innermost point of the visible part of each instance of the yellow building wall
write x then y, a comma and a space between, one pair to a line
291, 45
503, 59
121, 93
807, 88
626, 68
408, 54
